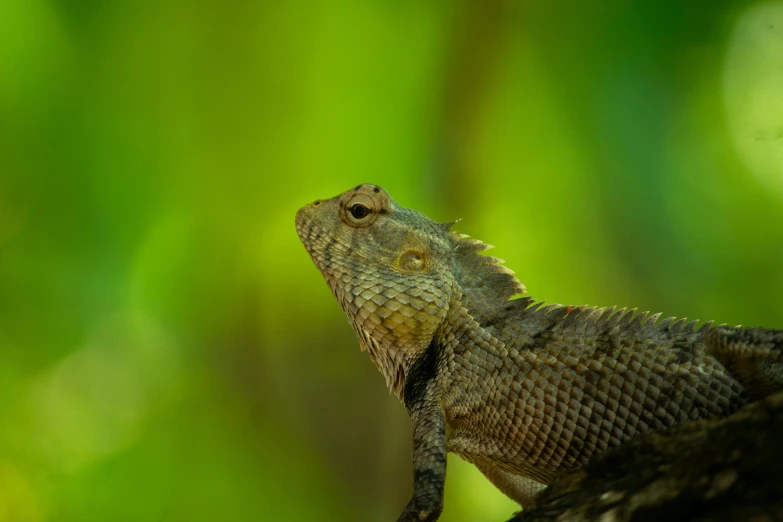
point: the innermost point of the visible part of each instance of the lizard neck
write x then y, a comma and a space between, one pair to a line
472, 323
394, 362
409, 372
475, 314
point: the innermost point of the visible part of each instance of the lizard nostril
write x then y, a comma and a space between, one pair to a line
316, 202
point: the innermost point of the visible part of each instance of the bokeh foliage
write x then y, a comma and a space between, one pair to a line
168, 351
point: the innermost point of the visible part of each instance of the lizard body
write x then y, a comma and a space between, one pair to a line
520, 389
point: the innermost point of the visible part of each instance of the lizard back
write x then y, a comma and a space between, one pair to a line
536, 389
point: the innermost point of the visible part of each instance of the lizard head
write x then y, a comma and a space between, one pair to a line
397, 274
390, 269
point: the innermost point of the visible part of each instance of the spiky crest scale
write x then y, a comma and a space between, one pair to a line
485, 281
587, 320
488, 285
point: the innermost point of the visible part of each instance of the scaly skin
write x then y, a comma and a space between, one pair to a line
519, 389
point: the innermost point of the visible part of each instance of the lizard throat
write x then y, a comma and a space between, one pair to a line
392, 364
391, 361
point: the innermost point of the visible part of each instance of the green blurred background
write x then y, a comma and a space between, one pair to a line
167, 350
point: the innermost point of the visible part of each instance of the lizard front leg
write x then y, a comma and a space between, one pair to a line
429, 461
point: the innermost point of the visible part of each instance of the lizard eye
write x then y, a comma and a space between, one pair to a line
359, 211
362, 209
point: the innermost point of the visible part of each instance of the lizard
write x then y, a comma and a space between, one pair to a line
519, 388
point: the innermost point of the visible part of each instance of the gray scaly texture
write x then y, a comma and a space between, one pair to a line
520, 389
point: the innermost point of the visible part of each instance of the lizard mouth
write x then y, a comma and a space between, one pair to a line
320, 244
304, 227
